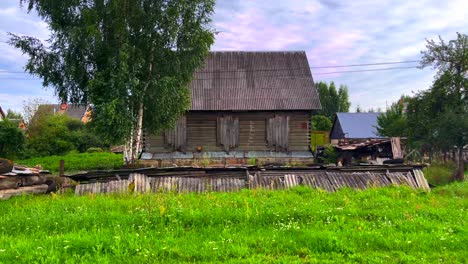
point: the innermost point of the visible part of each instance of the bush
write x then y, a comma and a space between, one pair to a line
12, 140
439, 173
329, 154
77, 162
60, 134
321, 123
94, 150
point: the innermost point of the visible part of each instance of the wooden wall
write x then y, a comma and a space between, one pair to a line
202, 132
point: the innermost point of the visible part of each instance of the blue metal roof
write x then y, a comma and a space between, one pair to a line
358, 125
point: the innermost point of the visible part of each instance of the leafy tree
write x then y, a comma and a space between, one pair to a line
321, 123
393, 123
132, 59
343, 98
441, 113
12, 140
333, 101
13, 115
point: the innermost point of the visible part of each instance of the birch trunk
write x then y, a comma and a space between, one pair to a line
139, 133
137, 143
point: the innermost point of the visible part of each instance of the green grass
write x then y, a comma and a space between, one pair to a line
389, 225
439, 173
77, 161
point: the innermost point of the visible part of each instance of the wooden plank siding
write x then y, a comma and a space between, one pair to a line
202, 132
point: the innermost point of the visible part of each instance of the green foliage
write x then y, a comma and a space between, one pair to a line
13, 115
438, 117
121, 56
332, 101
330, 155
59, 134
94, 150
12, 140
388, 225
321, 123
438, 174
393, 123
77, 161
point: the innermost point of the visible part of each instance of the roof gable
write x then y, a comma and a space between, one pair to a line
241, 80
355, 126
74, 111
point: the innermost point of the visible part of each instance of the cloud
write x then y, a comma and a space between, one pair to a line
332, 32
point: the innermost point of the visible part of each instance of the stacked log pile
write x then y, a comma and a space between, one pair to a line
17, 180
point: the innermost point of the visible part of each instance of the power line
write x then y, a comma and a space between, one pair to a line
303, 76
364, 64
266, 70
369, 70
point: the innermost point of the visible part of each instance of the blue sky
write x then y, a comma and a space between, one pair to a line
331, 32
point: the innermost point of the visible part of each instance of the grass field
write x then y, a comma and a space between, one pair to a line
389, 225
77, 161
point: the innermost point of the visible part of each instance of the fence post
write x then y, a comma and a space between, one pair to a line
62, 168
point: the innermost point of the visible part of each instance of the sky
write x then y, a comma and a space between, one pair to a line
331, 32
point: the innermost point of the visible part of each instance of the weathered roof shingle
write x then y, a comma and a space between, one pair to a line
241, 80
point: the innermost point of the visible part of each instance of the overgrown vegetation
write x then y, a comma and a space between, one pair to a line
321, 123
12, 139
58, 134
389, 225
440, 173
77, 161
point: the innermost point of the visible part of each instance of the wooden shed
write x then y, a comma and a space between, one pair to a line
245, 106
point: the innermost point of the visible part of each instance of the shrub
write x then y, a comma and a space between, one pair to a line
329, 154
94, 150
12, 140
439, 173
60, 134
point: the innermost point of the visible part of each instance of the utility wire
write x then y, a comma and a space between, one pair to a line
369, 70
267, 70
303, 76
364, 64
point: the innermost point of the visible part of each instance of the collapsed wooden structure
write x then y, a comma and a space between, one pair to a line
183, 179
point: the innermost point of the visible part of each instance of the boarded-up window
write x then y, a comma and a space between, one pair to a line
176, 137
278, 132
228, 132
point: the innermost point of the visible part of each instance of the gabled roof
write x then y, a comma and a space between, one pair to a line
242, 80
355, 126
74, 111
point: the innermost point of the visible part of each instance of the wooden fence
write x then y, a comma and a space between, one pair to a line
226, 181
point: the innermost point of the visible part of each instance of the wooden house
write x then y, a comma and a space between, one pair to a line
245, 106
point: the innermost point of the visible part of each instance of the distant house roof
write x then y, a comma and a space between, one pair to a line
241, 80
74, 111
355, 126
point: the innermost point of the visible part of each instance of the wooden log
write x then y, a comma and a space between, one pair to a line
5, 166
10, 182
36, 189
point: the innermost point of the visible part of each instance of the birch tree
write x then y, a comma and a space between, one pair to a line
131, 59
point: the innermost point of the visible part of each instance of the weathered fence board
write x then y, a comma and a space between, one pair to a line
235, 180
